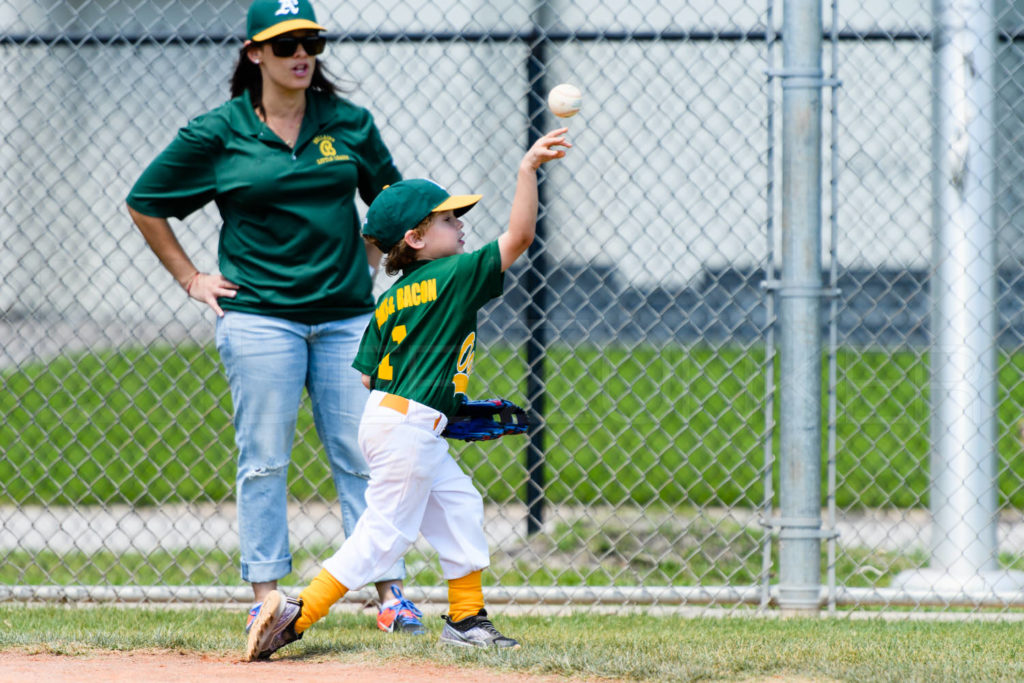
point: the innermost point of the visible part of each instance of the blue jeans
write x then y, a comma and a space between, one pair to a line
268, 361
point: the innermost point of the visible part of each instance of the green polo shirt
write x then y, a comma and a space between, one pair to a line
290, 238
421, 342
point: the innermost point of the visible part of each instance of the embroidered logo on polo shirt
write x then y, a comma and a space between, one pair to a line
325, 143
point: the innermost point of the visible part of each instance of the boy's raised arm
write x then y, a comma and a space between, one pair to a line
522, 222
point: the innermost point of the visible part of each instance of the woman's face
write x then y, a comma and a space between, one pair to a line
293, 70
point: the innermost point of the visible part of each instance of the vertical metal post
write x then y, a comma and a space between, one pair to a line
769, 309
963, 291
536, 281
963, 355
833, 309
800, 293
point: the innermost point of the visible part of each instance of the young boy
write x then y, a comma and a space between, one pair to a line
416, 355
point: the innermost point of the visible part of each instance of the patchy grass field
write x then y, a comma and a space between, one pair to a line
636, 647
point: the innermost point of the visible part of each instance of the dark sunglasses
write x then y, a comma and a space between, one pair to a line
285, 46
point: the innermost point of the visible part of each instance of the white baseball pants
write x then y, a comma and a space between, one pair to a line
415, 487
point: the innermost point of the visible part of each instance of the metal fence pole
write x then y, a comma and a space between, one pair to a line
536, 281
963, 356
799, 309
833, 309
768, 445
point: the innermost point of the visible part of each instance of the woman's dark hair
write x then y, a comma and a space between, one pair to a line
247, 77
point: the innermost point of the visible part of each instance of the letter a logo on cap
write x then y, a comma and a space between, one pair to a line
287, 7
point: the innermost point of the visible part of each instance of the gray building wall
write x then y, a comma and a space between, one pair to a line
667, 181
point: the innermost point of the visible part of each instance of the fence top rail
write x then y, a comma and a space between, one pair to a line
502, 36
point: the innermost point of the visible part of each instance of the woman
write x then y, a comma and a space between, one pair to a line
283, 160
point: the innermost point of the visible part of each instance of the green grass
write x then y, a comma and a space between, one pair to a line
631, 647
675, 425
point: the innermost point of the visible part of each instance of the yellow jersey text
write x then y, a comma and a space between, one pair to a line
406, 296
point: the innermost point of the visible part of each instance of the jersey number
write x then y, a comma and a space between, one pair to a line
464, 367
384, 370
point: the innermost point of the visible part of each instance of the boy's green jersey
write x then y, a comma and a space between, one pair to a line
421, 340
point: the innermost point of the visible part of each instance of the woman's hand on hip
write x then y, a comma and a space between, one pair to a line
208, 287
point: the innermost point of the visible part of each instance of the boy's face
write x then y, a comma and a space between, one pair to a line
443, 237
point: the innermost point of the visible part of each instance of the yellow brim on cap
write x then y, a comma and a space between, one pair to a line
459, 201
285, 27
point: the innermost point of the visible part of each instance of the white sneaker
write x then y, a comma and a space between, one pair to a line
474, 631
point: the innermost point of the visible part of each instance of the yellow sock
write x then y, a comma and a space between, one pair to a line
322, 592
465, 596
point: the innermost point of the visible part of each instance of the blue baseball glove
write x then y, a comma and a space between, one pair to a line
486, 420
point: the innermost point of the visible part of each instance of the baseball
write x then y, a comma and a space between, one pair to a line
564, 100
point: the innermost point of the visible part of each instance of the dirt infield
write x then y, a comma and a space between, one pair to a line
159, 666
154, 666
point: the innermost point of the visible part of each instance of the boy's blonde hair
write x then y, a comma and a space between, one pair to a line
401, 255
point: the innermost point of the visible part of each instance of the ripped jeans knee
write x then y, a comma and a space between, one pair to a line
262, 494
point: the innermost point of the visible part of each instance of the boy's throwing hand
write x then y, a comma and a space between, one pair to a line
543, 150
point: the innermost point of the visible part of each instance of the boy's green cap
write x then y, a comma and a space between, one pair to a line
400, 207
269, 18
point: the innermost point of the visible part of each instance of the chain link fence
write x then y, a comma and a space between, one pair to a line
639, 330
